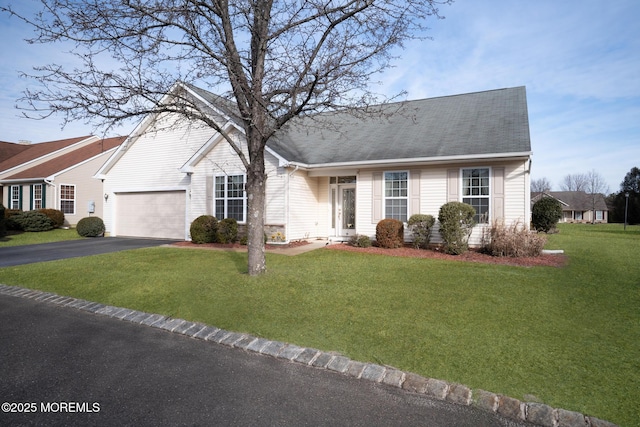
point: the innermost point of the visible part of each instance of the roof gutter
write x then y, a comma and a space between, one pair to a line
416, 160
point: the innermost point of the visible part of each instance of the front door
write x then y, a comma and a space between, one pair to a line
347, 211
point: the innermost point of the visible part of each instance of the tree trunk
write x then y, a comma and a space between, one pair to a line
256, 186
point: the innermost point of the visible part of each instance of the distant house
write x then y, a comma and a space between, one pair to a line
332, 175
578, 206
55, 175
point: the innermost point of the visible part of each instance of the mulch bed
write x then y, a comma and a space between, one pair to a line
546, 260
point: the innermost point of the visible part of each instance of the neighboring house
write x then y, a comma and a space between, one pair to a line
57, 175
578, 206
331, 175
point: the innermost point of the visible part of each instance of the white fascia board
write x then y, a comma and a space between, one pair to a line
415, 161
21, 181
189, 166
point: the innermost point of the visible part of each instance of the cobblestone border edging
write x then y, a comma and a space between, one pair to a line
536, 413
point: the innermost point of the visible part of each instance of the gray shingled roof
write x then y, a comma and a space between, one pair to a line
482, 123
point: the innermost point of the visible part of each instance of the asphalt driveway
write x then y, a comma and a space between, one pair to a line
64, 366
28, 254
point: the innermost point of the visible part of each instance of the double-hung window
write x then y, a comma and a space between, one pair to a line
230, 197
14, 194
396, 195
68, 199
36, 196
475, 192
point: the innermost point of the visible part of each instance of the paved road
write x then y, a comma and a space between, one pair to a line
17, 255
131, 374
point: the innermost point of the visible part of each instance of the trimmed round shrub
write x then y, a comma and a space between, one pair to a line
3, 225
360, 241
91, 226
420, 226
456, 223
33, 221
390, 233
55, 215
545, 214
228, 230
204, 229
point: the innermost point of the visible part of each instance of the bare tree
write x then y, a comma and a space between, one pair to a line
281, 59
540, 185
596, 188
574, 182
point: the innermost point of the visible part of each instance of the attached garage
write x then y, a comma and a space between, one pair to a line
154, 214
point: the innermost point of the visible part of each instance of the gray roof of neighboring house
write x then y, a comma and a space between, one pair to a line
475, 124
574, 200
482, 123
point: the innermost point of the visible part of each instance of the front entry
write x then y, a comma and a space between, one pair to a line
343, 206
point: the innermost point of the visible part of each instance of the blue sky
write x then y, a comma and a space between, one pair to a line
579, 60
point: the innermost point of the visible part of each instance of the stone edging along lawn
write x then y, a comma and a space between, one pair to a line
536, 413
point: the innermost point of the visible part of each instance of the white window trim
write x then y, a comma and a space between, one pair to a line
16, 199
226, 198
488, 197
599, 215
75, 198
33, 196
384, 192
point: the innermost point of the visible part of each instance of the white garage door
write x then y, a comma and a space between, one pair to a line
156, 214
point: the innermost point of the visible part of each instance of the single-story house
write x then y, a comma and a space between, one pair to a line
57, 175
331, 175
578, 206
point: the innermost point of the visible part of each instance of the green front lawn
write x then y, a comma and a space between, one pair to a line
19, 238
570, 337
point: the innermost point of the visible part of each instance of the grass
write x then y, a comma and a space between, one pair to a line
570, 337
20, 238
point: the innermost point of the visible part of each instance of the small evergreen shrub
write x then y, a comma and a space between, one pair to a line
3, 225
513, 241
33, 221
456, 224
420, 226
228, 230
55, 215
360, 241
204, 229
9, 221
545, 214
91, 226
390, 233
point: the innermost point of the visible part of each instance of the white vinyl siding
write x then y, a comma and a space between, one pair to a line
304, 212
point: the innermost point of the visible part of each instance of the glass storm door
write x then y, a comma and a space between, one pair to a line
347, 211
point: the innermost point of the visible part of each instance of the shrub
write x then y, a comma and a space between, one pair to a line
33, 221
360, 241
9, 221
513, 241
204, 229
420, 226
545, 214
55, 215
390, 233
228, 230
456, 224
3, 226
91, 226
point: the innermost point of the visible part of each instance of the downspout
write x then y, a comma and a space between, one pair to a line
286, 202
49, 182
